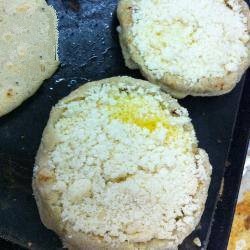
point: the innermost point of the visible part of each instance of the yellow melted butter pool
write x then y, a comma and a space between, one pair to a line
138, 111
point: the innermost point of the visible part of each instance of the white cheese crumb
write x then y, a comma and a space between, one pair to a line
127, 165
189, 38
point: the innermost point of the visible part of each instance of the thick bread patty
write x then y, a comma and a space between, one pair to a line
189, 47
119, 168
28, 49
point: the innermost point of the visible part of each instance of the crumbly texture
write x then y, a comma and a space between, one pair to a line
119, 168
240, 233
28, 54
190, 47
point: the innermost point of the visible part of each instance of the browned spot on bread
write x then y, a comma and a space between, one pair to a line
129, 40
218, 85
247, 222
10, 93
228, 5
126, 15
45, 175
174, 113
23, 8
222, 86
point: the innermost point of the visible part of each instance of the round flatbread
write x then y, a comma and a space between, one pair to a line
189, 47
28, 54
119, 168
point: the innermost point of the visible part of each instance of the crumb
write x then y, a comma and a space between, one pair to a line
197, 242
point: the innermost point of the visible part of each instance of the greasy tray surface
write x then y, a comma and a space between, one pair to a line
89, 50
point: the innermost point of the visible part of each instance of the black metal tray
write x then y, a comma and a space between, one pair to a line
89, 50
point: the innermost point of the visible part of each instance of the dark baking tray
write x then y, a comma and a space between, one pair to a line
89, 50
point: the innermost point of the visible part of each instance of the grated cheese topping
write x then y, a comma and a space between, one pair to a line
192, 39
125, 165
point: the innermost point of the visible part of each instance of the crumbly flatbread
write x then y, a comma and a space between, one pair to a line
98, 178
198, 59
28, 54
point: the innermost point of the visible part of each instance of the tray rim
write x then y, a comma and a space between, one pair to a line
234, 165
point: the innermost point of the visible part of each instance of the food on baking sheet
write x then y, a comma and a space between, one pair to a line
119, 168
28, 54
189, 47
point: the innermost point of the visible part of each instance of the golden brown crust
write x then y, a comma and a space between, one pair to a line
174, 84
